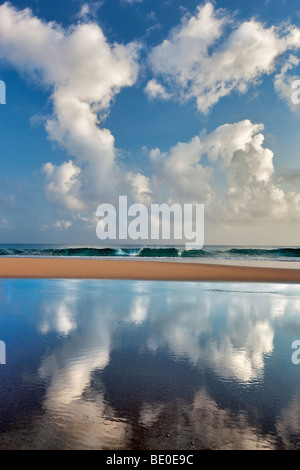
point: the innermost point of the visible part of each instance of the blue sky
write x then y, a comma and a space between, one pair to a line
165, 101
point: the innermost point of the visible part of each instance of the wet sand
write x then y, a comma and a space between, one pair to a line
137, 269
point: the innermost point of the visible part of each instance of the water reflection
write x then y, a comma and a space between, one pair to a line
148, 365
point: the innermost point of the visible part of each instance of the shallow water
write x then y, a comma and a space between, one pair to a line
149, 365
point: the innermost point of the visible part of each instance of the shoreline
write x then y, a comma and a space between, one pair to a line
142, 269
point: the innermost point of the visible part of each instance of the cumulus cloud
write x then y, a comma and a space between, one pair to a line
284, 83
85, 73
200, 60
88, 10
84, 10
63, 186
140, 188
156, 90
178, 174
251, 193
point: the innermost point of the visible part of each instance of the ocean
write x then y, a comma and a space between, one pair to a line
206, 253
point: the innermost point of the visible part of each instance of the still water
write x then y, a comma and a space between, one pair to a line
149, 365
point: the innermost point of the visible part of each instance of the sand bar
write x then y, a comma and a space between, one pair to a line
12, 268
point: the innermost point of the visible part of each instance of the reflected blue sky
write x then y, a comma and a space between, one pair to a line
148, 365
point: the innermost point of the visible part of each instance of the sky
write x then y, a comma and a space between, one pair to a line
164, 101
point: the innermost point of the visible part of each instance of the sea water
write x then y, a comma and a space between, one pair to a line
216, 252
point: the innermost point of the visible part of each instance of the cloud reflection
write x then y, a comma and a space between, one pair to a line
162, 365
182, 321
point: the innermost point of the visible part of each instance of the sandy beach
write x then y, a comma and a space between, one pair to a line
12, 268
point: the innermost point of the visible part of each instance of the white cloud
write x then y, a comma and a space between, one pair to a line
200, 60
63, 224
178, 174
84, 11
156, 90
85, 73
88, 10
63, 186
283, 82
252, 163
140, 189
251, 193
